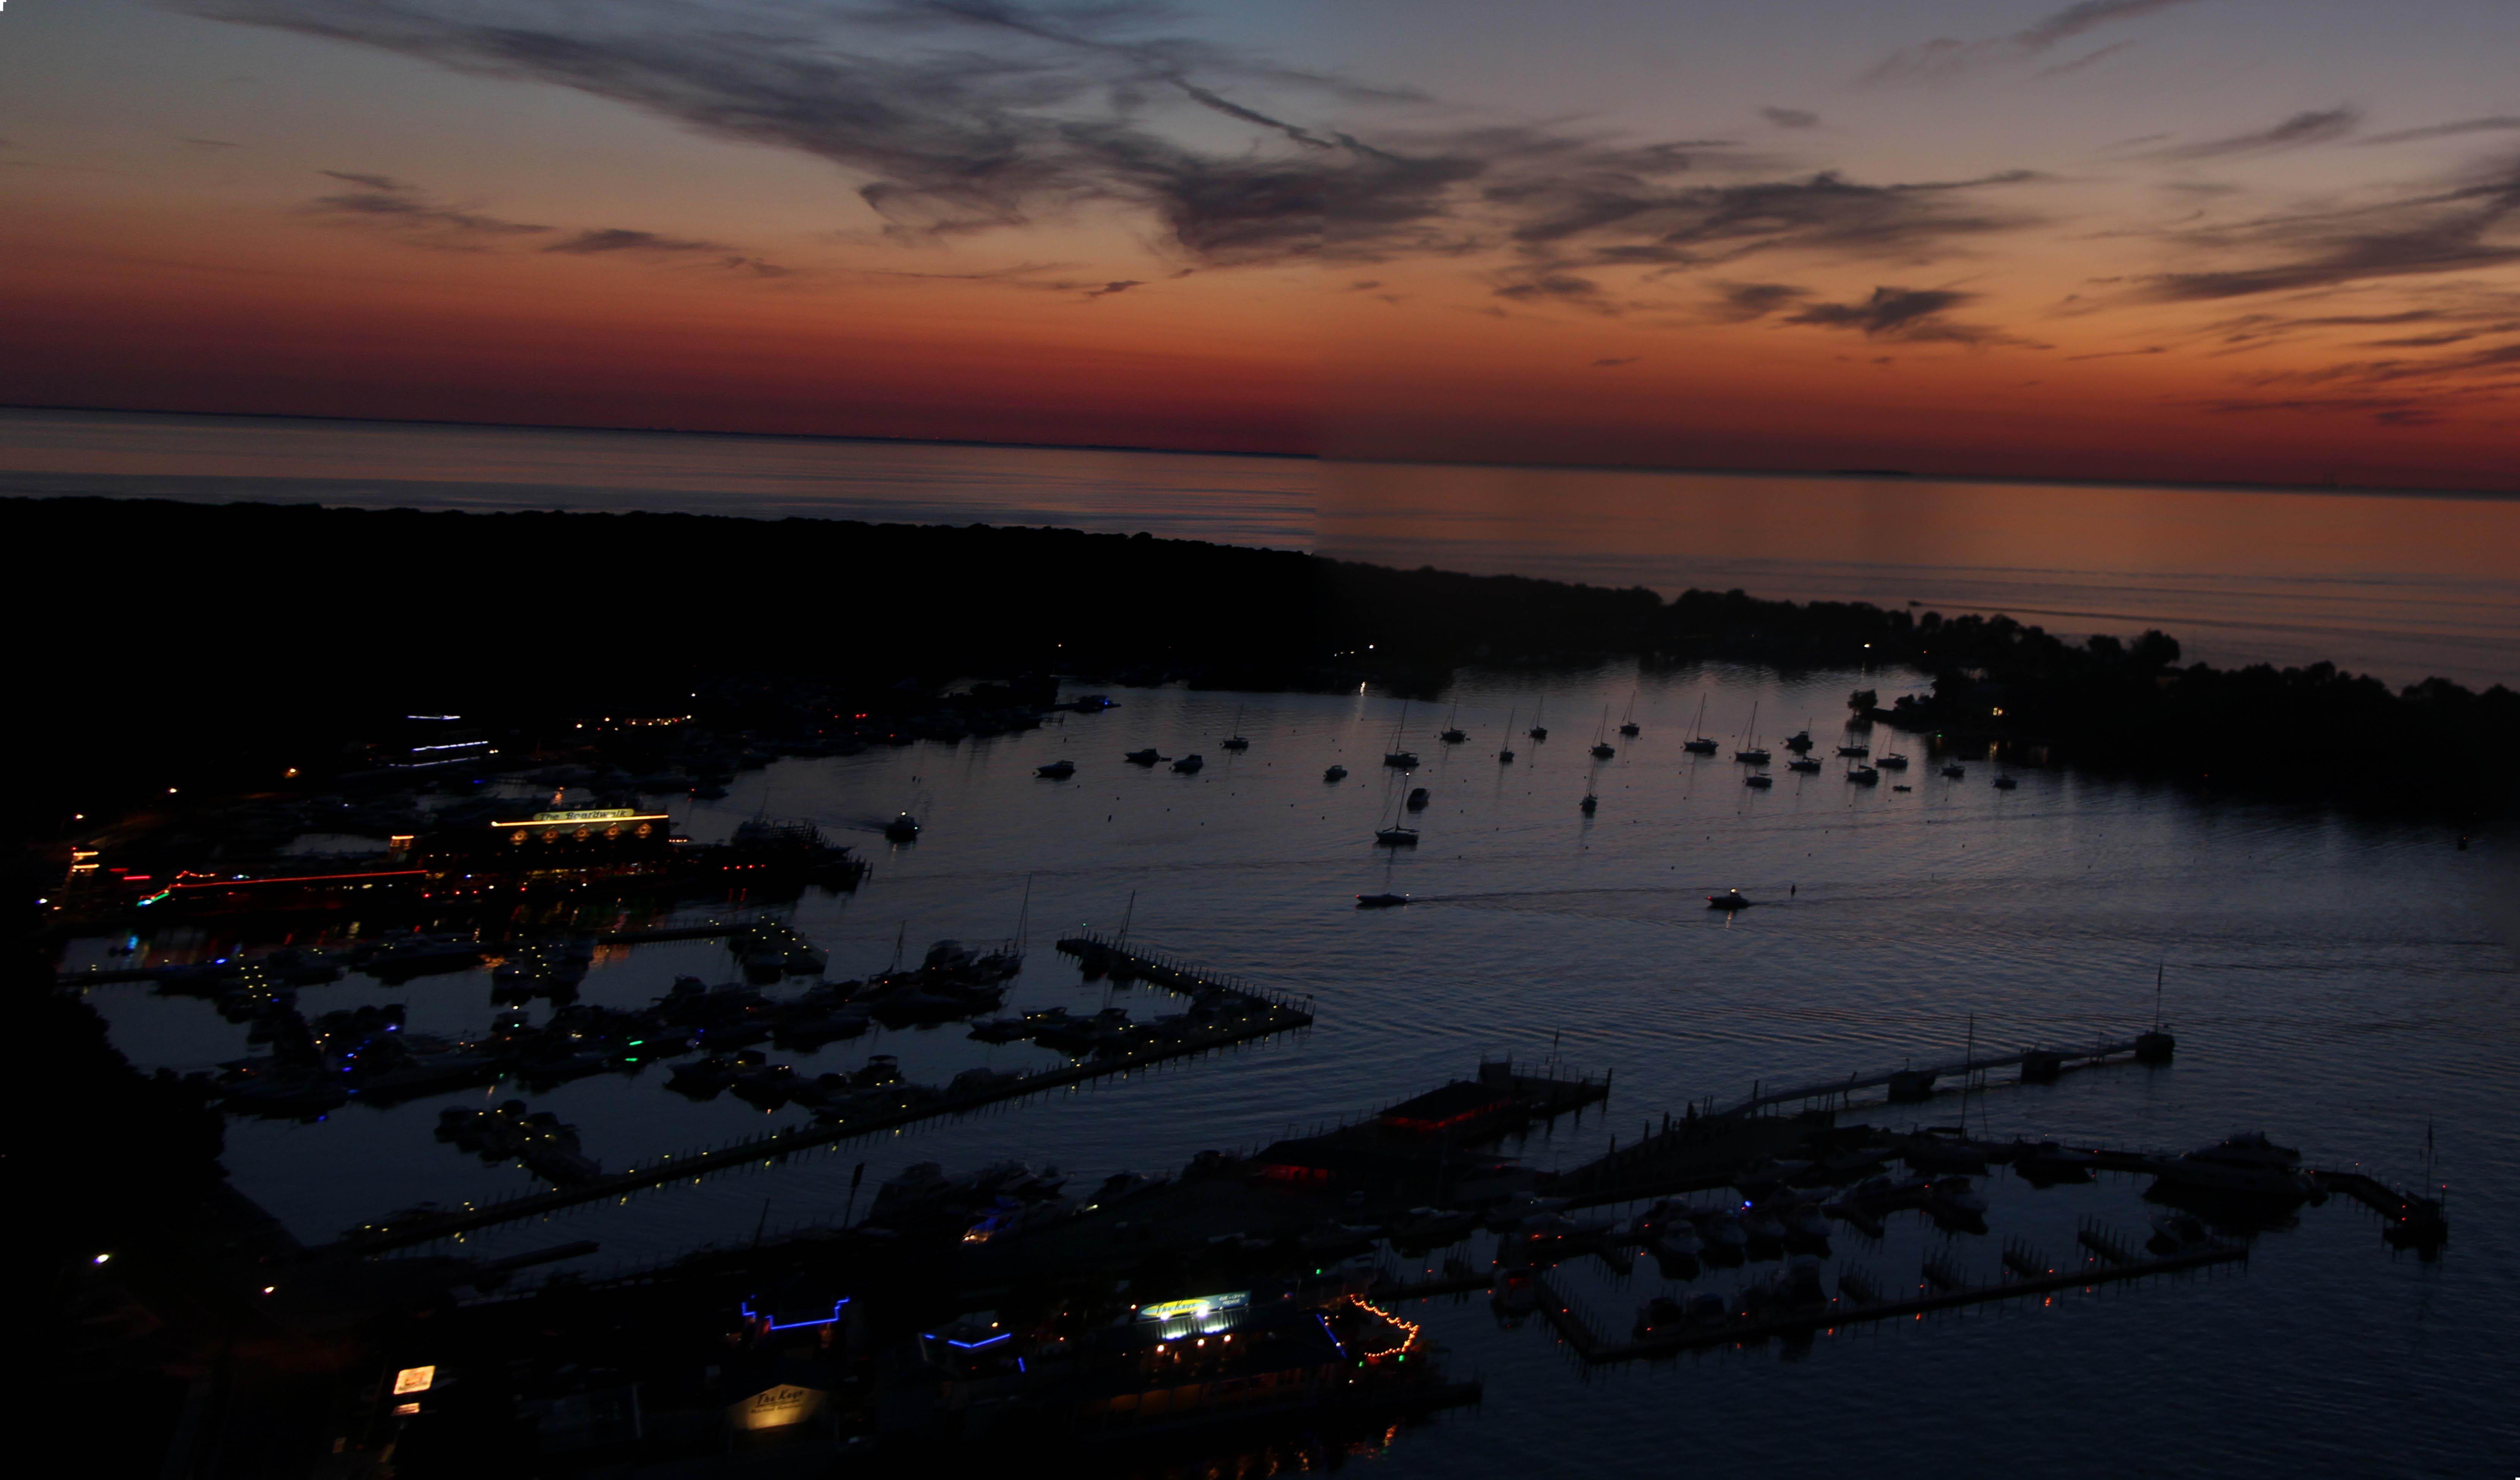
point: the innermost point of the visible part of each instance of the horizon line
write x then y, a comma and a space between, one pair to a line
1851, 474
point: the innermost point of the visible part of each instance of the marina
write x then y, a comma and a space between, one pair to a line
1014, 1133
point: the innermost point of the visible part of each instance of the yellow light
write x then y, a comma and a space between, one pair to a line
414, 1380
406, 1410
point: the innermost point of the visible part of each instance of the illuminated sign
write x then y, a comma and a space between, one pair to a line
588, 814
1197, 1307
414, 1380
775, 1408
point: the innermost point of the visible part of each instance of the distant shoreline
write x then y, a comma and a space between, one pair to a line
1852, 474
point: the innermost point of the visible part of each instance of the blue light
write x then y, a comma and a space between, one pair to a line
1332, 1335
973, 1346
750, 1314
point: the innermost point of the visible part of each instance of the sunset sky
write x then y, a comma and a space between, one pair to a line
2257, 240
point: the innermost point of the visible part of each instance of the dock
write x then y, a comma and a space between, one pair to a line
1112, 958
1911, 1085
1576, 1326
1266, 1015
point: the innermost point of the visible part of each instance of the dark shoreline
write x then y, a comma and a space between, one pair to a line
209, 648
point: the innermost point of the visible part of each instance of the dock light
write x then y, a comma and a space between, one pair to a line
267, 1289
101, 1257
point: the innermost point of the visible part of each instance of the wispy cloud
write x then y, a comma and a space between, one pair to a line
1945, 58
383, 202
2300, 131
1791, 117
2457, 228
2499, 123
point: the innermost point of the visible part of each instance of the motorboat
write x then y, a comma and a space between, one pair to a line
1799, 741
1454, 736
1865, 775
1401, 759
1807, 764
1631, 729
1335, 774
1730, 898
1891, 760
1381, 901
1954, 769
1591, 803
1056, 770
1602, 750
1418, 799
902, 829
1189, 766
1760, 780
1903, 787
1147, 757
2005, 783
1505, 756
1858, 749
1396, 837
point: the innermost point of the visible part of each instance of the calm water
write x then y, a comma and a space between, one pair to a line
2340, 985
2402, 586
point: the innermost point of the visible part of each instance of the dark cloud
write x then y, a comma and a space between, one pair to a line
2300, 131
1612, 364
1945, 58
977, 114
1109, 288
1740, 303
209, 143
2497, 124
1364, 285
619, 239
1791, 117
2457, 228
1549, 285
1892, 312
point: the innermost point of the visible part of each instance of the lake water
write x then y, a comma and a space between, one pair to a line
2403, 586
2340, 985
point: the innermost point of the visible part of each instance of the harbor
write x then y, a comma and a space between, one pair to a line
887, 1103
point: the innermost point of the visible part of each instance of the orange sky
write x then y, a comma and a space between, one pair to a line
2125, 239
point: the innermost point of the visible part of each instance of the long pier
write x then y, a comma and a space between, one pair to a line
1112, 958
1267, 1014
2038, 1065
1596, 1348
